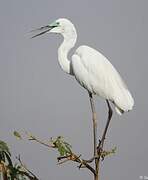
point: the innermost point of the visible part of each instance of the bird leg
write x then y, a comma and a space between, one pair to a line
94, 123
94, 118
101, 142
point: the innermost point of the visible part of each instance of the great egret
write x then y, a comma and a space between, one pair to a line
92, 70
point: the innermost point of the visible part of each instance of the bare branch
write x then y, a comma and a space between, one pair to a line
70, 157
34, 176
77, 159
33, 138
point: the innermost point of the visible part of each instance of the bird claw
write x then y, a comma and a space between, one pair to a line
80, 166
104, 153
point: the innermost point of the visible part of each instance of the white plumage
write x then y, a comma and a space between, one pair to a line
95, 73
91, 69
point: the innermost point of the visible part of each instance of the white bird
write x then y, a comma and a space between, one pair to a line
90, 68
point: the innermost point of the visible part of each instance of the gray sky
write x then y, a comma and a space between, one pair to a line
36, 96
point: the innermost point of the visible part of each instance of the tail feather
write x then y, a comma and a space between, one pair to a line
124, 102
119, 111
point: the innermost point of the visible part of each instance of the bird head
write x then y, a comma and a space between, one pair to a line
60, 26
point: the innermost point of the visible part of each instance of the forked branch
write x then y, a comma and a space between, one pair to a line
70, 156
66, 153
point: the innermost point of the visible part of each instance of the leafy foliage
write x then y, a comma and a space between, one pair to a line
63, 147
107, 153
17, 135
10, 171
5, 153
4, 147
65, 151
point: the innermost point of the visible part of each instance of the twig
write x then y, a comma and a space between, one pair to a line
32, 138
29, 176
34, 176
91, 160
71, 157
76, 158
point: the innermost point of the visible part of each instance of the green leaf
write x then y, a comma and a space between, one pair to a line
4, 147
68, 147
2, 156
114, 150
8, 159
17, 135
63, 147
107, 153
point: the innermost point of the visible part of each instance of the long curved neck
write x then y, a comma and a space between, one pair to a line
66, 46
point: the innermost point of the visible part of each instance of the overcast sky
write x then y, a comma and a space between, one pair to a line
37, 96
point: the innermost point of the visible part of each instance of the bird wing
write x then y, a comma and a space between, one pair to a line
94, 72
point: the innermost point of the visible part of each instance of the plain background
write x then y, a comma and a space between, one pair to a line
38, 97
